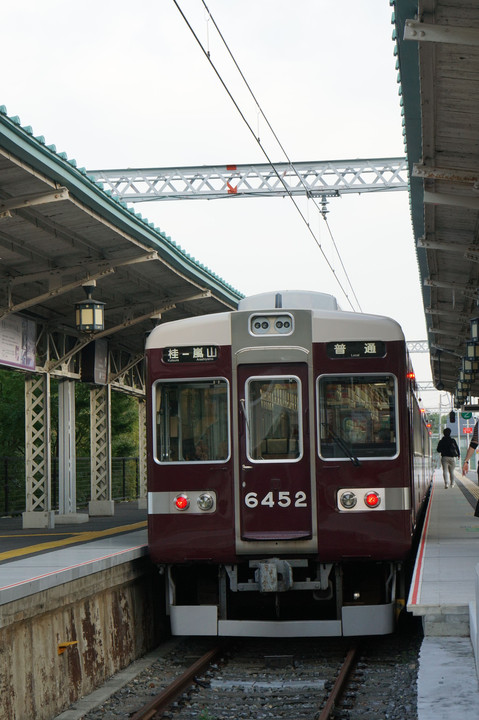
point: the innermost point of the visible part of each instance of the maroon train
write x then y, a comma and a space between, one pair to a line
288, 463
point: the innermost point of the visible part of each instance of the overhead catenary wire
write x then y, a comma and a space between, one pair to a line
283, 150
263, 150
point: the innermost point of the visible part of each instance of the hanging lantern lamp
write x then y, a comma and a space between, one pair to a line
475, 329
89, 313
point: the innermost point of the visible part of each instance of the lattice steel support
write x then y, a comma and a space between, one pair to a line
38, 512
100, 424
66, 448
142, 497
330, 178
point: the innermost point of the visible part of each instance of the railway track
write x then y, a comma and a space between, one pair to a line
283, 689
265, 679
339, 686
179, 685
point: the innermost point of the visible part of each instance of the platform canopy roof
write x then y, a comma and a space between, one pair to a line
60, 230
437, 44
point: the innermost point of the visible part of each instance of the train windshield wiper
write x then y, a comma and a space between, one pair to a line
343, 445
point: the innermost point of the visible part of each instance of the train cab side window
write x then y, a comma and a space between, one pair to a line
274, 419
192, 421
357, 416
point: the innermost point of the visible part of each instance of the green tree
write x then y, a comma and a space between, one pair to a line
12, 413
82, 419
124, 425
435, 421
124, 418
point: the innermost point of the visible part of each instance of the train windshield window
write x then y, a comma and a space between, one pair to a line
192, 421
273, 418
357, 416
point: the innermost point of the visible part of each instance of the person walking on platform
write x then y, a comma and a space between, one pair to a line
471, 450
449, 450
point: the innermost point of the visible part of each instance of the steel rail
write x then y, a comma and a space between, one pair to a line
162, 701
339, 685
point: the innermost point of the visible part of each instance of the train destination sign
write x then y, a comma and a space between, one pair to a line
193, 353
356, 349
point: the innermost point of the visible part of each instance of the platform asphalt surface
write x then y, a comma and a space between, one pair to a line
17, 542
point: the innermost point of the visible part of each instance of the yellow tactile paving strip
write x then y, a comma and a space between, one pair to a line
469, 485
67, 539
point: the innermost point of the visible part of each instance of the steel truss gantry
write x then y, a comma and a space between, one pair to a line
313, 179
418, 346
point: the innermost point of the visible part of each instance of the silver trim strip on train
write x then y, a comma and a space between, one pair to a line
163, 503
398, 498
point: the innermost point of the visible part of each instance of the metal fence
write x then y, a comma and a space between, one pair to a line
125, 482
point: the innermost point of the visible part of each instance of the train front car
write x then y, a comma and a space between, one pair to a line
287, 466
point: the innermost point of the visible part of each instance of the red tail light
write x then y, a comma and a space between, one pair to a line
182, 502
372, 499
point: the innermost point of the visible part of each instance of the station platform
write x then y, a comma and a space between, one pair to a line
443, 588
443, 591
34, 560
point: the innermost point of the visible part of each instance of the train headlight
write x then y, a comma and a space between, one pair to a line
182, 502
260, 325
205, 501
283, 324
271, 324
348, 500
372, 499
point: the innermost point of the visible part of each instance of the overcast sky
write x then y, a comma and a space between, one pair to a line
116, 84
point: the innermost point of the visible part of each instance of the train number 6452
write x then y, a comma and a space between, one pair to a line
283, 499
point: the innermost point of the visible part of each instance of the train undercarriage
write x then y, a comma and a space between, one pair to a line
284, 598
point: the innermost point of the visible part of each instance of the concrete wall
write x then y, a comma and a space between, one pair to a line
113, 617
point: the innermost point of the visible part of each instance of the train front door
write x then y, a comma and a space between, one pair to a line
275, 477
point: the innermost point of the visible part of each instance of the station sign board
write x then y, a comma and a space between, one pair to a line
18, 337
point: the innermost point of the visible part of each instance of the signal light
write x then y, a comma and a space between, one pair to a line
411, 375
452, 417
182, 502
372, 499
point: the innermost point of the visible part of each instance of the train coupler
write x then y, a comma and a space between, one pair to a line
273, 575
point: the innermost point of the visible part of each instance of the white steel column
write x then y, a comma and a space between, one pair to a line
67, 502
66, 447
101, 502
142, 496
38, 513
